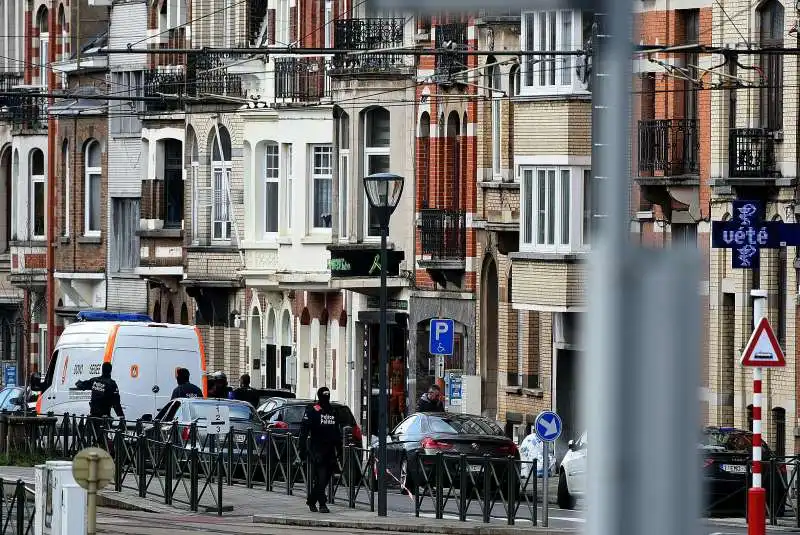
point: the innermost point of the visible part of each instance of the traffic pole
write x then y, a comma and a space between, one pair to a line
756, 497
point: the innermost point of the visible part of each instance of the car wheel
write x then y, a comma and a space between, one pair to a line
407, 484
565, 499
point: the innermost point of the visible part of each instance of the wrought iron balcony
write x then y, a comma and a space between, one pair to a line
301, 79
27, 112
451, 37
368, 34
207, 76
164, 83
444, 235
669, 147
751, 153
8, 83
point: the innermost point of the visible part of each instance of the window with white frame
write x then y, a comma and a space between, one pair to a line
220, 183
557, 30
43, 25
194, 176
92, 185
66, 176
282, 22
328, 24
322, 179
554, 216
344, 173
288, 176
272, 179
39, 185
377, 159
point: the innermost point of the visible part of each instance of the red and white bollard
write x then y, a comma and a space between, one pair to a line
756, 496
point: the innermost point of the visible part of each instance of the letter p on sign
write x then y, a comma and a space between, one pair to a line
442, 335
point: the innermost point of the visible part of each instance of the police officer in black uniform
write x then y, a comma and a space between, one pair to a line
245, 392
105, 396
185, 389
320, 443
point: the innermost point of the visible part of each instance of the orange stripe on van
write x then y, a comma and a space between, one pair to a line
202, 361
39, 402
112, 337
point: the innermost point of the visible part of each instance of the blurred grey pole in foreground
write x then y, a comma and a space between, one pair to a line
642, 360
640, 383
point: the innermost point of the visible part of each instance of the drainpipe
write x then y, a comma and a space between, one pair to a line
51, 186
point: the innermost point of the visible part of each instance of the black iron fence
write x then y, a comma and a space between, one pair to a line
451, 37
158, 83
751, 153
301, 79
444, 234
27, 111
669, 147
208, 76
17, 508
368, 34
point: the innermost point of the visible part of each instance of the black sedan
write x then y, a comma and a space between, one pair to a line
412, 444
726, 455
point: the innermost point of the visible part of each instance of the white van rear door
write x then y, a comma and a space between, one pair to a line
176, 349
134, 364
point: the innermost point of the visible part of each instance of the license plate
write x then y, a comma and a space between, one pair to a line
734, 468
475, 468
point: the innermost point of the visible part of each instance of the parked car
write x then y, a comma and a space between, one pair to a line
265, 394
16, 399
283, 415
431, 433
726, 453
572, 473
186, 411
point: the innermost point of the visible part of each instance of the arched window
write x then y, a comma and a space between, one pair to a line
193, 172
495, 92
43, 25
39, 185
377, 135
220, 177
452, 162
92, 185
272, 181
64, 33
67, 185
771, 29
423, 158
6, 184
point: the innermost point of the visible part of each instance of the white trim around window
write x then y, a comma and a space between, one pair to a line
93, 181
321, 187
344, 185
287, 176
557, 29
220, 208
272, 186
38, 205
552, 208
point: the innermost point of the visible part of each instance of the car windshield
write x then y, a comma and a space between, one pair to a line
735, 442
464, 426
238, 411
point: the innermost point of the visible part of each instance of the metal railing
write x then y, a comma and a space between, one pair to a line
451, 36
27, 112
160, 83
17, 508
368, 34
669, 147
301, 79
751, 153
208, 76
444, 234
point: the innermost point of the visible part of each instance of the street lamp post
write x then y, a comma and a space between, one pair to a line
383, 192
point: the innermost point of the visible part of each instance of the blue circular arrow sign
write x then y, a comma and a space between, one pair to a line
548, 426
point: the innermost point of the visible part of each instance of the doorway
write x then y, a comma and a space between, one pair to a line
489, 338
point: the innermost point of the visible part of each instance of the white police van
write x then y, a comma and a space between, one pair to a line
145, 357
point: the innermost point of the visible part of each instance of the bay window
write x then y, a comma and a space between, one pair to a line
322, 179
556, 30
554, 208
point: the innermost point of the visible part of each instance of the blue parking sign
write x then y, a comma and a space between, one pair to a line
441, 338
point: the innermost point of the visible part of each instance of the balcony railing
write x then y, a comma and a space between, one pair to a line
368, 34
751, 153
164, 83
27, 112
669, 147
444, 234
207, 75
301, 79
451, 37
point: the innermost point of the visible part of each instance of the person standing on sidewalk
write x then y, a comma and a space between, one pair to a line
320, 442
105, 396
185, 389
431, 401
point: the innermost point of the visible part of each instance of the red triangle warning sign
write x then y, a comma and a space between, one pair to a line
763, 350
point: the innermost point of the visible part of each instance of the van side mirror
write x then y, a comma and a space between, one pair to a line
147, 417
35, 382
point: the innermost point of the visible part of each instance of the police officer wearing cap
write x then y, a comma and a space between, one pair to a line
105, 396
320, 444
185, 389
